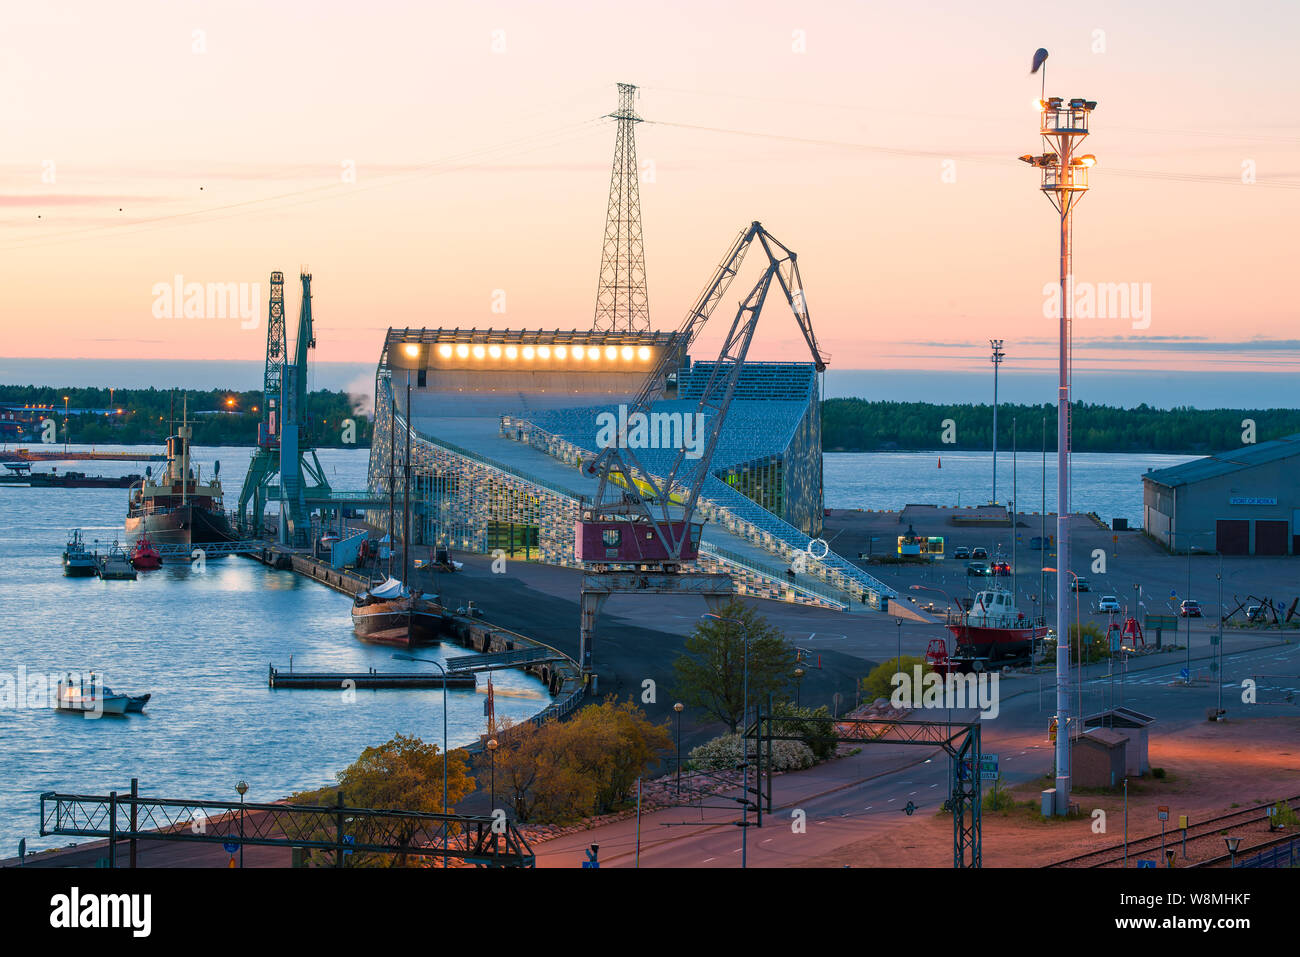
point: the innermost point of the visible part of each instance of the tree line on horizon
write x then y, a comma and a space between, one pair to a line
218, 416
861, 425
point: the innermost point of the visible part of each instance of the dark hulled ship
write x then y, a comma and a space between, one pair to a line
389, 614
176, 507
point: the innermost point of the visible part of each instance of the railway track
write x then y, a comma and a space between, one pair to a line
1199, 832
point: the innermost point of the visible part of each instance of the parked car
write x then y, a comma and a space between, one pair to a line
1108, 603
961, 552
979, 569
1190, 608
1081, 584
1255, 613
1001, 568
979, 553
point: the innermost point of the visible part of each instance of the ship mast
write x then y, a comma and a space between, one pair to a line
185, 448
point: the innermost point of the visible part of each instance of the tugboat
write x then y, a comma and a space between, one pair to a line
144, 556
93, 696
78, 561
992, 630
178, 508
389, 614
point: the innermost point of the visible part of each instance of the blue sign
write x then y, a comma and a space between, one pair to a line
1146, 863
348, 839
230, 848
591, 865
1182, 673
988, 766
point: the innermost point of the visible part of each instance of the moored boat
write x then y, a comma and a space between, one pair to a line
79, 561
144, 556
177, 507
389, 614
993, 629
89, 697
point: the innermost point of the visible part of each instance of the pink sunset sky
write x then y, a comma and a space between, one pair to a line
145, 140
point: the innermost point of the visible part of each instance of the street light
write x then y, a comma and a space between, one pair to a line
492, 754
1233, 843
678, 708
1063, 180
744, 741
242, 788
429, 661
899, 623
798, 687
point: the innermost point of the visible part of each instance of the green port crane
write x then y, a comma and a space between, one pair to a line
284, 448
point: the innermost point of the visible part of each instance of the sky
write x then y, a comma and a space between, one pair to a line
429, 160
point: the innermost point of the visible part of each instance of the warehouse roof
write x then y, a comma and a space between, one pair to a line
1248, 456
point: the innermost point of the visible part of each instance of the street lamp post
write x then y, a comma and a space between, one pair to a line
678, 708
798, 687
242, 788
899, 623
1064, 180
744, 741
492, 757
996, 358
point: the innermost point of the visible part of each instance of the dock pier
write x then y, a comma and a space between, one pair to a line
365, 679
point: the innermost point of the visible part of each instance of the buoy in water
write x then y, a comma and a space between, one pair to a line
941, 461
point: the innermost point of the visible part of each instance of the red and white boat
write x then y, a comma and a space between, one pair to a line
993, 629
144, 556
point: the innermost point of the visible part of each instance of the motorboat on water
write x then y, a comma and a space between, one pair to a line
144, 556
388, 613
92, 696
79, 561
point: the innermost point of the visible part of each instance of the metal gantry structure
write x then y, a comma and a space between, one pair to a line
1063, 126
959, 737
284, 447
336, 830
657, 511
622, 304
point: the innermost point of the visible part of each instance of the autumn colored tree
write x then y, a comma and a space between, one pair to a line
404, 774
711, 674
569, 769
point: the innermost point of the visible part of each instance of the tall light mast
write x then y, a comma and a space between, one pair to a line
996, 358
1063, 126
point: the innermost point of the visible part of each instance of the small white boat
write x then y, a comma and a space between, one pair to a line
90, 697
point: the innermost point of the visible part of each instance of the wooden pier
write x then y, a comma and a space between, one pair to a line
365, 679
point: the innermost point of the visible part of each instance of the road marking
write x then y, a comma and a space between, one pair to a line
707, 859
891, 799
910, 793
934, 785
767, 841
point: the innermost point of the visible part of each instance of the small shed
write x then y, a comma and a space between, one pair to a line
1098, 758
1134, 726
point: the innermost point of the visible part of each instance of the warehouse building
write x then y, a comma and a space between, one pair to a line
1244, 502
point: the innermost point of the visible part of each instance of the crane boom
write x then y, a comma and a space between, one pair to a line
661, 530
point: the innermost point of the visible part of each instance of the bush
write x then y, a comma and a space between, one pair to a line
997, 797
725, 753
818, 733
877, 684
1158, 773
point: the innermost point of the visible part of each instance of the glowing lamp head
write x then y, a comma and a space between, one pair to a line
512, 352
543, 352
462, 351
479, 352
579, 353
611, 352
627, 353
494, 352
1088, 160
529, 352
444, 351
560, 352
643, 353
411, 350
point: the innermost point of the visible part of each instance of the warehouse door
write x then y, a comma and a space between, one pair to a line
1270, 538
1232, 536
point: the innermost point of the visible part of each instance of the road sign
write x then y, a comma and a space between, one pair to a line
1161, 622
348, 839
988, 765
910, 809
1183, 673
1182, 821
230, 848
1162, 812
1142, 863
